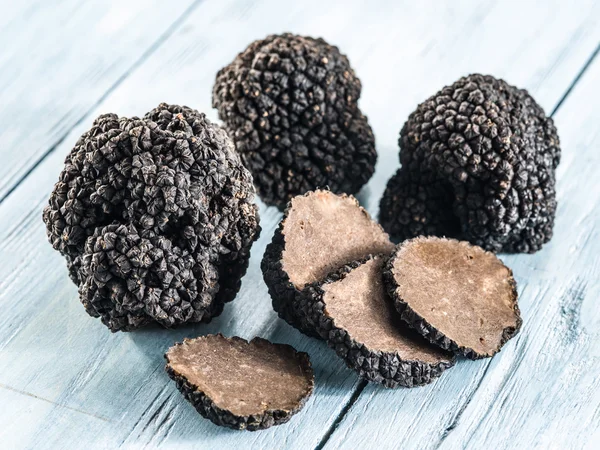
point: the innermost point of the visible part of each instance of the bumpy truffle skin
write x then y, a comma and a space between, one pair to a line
291, 105
478, 164
286, 298
207, 408
375, 366
155, 218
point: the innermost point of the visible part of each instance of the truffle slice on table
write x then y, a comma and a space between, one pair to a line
478, 163
239, 384
320, 232
290, 103
352, 311
457, 295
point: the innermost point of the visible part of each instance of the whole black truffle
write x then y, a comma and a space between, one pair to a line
478, 163
155, 218
291, 105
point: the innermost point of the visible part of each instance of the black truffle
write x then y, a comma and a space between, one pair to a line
459, 296
239, 384
478, 164
319, 232
352, 311
155, 218
291, 105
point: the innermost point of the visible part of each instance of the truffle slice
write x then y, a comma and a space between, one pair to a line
290, 104
239, 384
320, 232
457, 295
352, 311
478, 163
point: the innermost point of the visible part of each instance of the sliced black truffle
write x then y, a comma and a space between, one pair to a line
291, 105
320, 232
459, 296
478, 164
352, 311
239, 384
155, 218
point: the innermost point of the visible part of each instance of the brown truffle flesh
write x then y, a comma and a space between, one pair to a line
319, 233
324, 231
354, 313
457, 295
240, 384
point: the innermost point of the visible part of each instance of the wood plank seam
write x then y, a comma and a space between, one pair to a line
351, 401
456, 420
143, 415
460, 412
136, 64
37, 397
509, 376
585, 67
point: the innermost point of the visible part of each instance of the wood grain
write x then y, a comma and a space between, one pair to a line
58, 60
65, 381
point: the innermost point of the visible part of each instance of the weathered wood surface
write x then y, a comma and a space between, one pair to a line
65, 382
60, 59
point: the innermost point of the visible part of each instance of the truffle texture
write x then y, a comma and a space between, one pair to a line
239, 384
320, 232
155, 218
457, 295
352, 311
291, 105
478, 164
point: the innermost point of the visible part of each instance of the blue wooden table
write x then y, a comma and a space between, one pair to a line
66, 382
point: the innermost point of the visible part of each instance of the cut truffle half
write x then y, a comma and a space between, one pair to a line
239, 384
352, 311
457, 295
320, 232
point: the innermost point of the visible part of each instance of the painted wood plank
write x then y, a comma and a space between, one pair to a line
58, 59
116, 382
